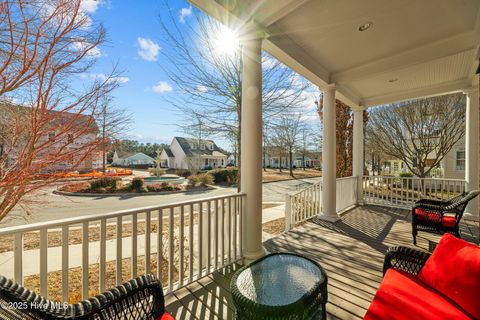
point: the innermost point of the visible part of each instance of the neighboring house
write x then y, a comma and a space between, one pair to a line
452, 166
59, 137
276, 157
191, 153
126, 159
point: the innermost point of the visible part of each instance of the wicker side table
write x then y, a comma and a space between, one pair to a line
280, 286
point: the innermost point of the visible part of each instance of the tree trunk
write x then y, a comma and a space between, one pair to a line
291, 161
280, 164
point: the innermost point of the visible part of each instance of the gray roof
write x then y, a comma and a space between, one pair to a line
186, 142
169, 152
124, 154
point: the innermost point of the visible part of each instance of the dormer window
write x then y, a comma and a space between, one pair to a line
202, 147
211, 146
194, 146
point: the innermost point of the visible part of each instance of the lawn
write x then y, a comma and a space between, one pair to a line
275, 175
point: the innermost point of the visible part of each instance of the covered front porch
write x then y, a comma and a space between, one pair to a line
351, 251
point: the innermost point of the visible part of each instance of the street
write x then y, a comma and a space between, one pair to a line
49, 206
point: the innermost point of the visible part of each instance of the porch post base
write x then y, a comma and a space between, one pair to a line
329, 217
249, 257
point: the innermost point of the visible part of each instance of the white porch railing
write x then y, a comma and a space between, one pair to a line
302, 205
346, 193
403, 192
190, 239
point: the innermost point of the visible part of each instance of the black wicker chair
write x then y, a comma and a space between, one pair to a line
140, 298
405, 259
438, 216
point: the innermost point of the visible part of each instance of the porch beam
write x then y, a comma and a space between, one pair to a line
329, 161
358, 161
251, 147
472, 133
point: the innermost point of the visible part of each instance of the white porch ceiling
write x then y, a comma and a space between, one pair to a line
414, 48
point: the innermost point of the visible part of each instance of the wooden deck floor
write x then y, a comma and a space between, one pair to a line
351, 251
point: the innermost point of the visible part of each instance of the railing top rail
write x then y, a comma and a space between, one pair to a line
109, 215
417, 178
294, 193
347, 178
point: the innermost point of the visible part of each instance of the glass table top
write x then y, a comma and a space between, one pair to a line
279, 279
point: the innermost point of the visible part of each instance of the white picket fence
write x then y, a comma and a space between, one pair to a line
191, 239
403, 192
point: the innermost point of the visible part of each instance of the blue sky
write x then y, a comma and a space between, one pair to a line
133, 31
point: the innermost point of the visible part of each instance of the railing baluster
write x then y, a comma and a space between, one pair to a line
181, 226
134, 245
18, 257
216, 240
119, 266
229, 234
171, 247
65, 264
160, 244
85, 260
148, 231
235, 211
43, 262
242, 223
190, 244
200, 238
222, 261
103, 253
209, 241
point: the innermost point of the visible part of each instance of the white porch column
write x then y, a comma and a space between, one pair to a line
329, 161
251, 148
472, 133
357, 166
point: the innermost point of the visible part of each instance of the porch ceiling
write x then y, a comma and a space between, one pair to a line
414, 48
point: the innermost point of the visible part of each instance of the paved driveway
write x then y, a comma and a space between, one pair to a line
51, 207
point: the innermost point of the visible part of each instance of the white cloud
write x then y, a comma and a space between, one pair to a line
202, 89
184, 12
90, 6
162, 87
148, 50
103, 77
92, 52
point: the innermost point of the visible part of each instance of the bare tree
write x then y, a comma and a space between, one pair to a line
287, 133
210, 82
43, 44
419, 132
113, 124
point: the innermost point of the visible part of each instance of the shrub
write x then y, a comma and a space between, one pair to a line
109, 183
405, 174
193, 180
183, 173
137, 184
208, 168
162, 187
205, 178
229, 176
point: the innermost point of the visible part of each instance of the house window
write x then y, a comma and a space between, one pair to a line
211, 147
206, 162
202, 147
460, 159
194, 146
51, 136
70, 138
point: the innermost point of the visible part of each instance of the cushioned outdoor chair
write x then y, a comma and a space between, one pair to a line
438, 216
138, 299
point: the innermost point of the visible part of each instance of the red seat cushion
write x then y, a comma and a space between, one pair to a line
403, 296
447, 221
454, 270
166, 316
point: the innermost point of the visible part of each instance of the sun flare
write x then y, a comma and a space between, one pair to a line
226, 41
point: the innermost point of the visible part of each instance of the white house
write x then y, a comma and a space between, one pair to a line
131, 158
191, 153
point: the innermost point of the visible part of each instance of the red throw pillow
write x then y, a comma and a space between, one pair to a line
454, 270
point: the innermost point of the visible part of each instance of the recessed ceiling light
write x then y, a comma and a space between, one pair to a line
393, 80
365, 26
